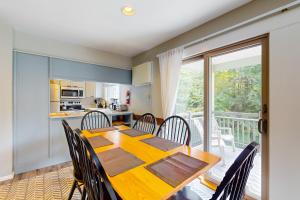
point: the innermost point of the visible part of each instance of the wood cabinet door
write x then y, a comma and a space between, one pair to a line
90, 89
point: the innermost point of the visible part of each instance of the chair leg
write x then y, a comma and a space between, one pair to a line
233, 146
72, 190
83, 197
79, 188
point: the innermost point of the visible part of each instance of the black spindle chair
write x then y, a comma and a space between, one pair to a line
96, 183
73, 149
234, 182
145, 123
176, 129
94, 119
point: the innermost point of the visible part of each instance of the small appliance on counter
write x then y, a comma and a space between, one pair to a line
114, 104
123, 107
100, 103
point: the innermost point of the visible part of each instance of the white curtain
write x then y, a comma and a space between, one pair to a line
169, 66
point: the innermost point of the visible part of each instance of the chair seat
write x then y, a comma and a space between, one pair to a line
194, 191
227, 137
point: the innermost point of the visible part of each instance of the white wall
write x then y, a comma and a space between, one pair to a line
6, 109
53, 48
284, 113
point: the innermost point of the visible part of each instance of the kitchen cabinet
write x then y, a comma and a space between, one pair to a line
65, 83
142, 74
93, 89
31, 108
70, 83
90, 89
59, 150
80, 84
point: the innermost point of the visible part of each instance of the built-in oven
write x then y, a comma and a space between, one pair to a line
71, 93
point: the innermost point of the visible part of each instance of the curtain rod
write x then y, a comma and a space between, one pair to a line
257, 18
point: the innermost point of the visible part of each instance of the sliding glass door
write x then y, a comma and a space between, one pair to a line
223, 94
236, 99
190, 99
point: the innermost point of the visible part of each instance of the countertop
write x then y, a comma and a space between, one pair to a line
69, 114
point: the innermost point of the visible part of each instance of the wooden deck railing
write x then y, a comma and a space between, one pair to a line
242, 125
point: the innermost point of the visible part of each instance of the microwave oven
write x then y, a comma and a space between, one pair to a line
71, 93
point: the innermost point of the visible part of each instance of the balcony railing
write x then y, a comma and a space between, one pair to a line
243, 126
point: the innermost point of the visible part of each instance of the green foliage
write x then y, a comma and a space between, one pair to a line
235, 90
190, 91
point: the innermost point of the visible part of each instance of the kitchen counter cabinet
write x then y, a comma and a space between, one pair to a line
59, 150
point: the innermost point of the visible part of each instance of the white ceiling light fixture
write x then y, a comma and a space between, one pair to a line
128, 11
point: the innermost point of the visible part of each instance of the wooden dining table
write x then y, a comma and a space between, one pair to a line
139, 183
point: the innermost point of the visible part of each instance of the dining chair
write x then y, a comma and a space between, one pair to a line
145, 123
73, 149
96, 183
176, 129
234, 182
95, 119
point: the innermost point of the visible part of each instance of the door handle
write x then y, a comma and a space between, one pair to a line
259, 126
262, 126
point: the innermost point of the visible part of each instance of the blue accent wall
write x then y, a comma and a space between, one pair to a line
66, 69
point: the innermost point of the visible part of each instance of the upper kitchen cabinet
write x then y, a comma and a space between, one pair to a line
31, 134
90, 89
80, 84
142, 74
69, 83
93, 89
65, 83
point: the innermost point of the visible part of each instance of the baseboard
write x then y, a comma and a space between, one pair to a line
8, 177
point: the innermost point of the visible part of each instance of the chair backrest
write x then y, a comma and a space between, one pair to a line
145, 123
96, 183
233, 184
176, 129
73, 149
215, 124
94, 119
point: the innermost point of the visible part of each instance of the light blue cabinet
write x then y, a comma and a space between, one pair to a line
59, 151
31, 135
66, 69
38, 140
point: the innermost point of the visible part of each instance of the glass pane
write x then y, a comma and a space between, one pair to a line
190, 96
236, 87
70, 93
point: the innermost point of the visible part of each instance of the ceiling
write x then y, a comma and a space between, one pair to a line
100, 24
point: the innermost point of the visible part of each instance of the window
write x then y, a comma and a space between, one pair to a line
190, 90
111, 91
190, 99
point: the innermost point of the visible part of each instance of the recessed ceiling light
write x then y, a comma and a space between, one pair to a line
128, 11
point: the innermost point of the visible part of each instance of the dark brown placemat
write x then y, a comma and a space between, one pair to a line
99, 141
98, 130
133, 132
160, 143
116, 161
176, 168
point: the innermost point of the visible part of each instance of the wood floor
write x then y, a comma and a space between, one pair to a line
55, 183
48, 183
